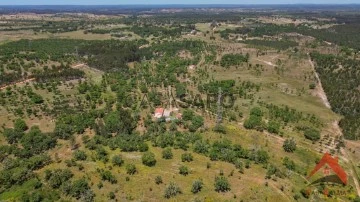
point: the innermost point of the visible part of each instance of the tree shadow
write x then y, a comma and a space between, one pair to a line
328, 179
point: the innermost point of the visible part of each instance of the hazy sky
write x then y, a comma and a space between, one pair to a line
119, 2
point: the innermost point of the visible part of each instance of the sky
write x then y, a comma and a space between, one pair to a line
131, 2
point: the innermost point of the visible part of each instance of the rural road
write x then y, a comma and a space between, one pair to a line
321, 93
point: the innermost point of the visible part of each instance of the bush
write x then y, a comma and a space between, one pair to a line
186, 157
273, 127
256, 111
289, 164
148, 159
167, 153
131, 169
172, 190
79, 155
312, 86
57, 177
197, 186
220, 129
143, 147
201, 147
158, 179
20, 125
254, 122
108, 176
222, 184
183, 170
312, 134
111, 195
239, 165
289, 145
117, 160
357, 199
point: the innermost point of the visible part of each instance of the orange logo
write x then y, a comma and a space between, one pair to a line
331, 164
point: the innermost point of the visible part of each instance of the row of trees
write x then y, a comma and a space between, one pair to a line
341, 85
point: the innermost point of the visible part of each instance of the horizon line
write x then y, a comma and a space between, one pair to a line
170, 4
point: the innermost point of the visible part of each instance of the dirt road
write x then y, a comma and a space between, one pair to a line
335, 127
319, 89
19, 82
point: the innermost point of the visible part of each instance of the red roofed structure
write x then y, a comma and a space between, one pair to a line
333, 163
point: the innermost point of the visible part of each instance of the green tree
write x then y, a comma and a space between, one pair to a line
289, 164
63, 131
273, 127
172, 190
289, 145
20, 125
312, 134
148, 159
183, 170
131, 169
188, 114
221, 184
158, 179
79, 155
167, 153
186, 157
117, 160
197, 186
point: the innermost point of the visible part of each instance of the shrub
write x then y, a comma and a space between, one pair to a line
273, 127
222, 184
289, 145
172, 190
256, 111
312, 86
117, 160
220, 129
239, 165
167, 153
201, 147
158, 179
131, 169
197, 186
143, 147
108, 176
20, 125
79, 155
148, 159
254, 122
312, 134
289, 164
183, 170
186, 157
111, 195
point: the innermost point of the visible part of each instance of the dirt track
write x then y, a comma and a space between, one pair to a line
335, 125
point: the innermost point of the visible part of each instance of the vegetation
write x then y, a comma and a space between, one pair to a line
221, 184
79, 92
172, 190
289, 145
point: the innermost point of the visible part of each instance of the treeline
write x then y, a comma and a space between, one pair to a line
171, 48
157, 31
60, 73
112, 55
343, 35
340, 78
40, 49
8, 78
228, 60
280, 44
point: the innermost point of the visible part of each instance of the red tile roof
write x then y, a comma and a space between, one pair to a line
333, 164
